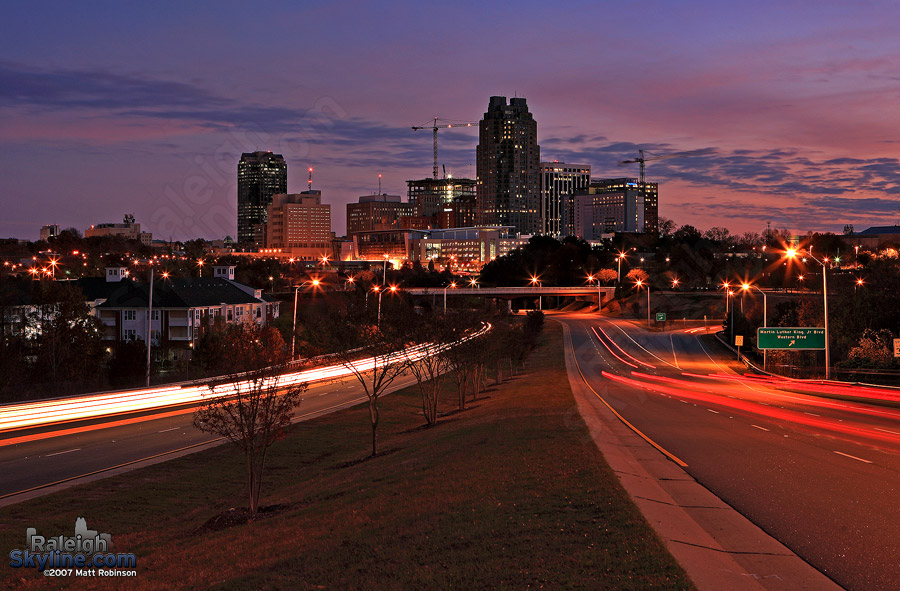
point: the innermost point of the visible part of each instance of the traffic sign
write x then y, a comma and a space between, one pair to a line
739, 340
794, 339
660, 316
896, 347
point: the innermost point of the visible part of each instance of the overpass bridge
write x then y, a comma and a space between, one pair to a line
586, 293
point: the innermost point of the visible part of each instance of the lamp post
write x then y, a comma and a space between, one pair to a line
315, 283
745, 287
393, 289
536, 281
791, 253
452, 286
150, 323
639, 283
619, 274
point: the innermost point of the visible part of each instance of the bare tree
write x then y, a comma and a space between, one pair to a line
430, 361
373, 353
253, 407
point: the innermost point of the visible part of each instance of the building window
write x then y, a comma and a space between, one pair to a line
130, 315
130, 334
155, 315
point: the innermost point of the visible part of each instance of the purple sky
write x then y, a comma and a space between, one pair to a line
110, 109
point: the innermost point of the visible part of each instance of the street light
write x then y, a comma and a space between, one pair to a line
619, 275
640, 283
315, 283
792, 254
535, 280
393, 289
675, 283
200, 266
452, 286
746, 287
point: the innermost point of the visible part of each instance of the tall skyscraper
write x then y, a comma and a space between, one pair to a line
508, 161
260, 176
559, 183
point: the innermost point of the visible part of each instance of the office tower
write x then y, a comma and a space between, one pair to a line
559, 183
260, 176
378, 212
299, 224
617, 205
448, 202
508, 165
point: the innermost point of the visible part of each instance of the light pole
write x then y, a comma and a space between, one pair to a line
791, 253
619, 274
315, 283
639, 283
452, 286
535, 280
745, 287
380, 293
150, 323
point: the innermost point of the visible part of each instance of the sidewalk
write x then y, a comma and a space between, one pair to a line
717, 546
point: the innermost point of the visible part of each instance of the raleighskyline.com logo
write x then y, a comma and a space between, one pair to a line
86, 554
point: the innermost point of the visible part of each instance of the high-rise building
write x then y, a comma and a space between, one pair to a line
508, 161
260, 176
299, 224
448, 202
617, 205
559, 183
378, 212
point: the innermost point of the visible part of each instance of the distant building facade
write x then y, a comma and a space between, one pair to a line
260, 176
299, 224
447, 202
559, 184
379, 212
507, 163
49, 231
128, 231
617, 205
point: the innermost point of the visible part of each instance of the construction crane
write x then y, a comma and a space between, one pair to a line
435, 127
642, 159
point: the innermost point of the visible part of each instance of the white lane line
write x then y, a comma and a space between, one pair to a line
886, 431
711, 410
62, 452
758, 427
812, 414
640, 345
674, 357
167, 430
840, 453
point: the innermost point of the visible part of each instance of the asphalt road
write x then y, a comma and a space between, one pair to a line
820, 475
42, 462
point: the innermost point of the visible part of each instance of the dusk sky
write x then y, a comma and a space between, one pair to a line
107, 109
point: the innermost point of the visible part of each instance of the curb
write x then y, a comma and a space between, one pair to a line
718, 547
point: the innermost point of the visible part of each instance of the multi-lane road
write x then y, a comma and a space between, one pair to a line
819, 473
37, 460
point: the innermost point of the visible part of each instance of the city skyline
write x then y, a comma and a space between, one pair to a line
793, 106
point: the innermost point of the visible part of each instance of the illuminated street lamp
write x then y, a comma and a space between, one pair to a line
675, 283
393, 289
619, 275
200, 266
746, 287
791, 253
638, 284
315, 284
452, 286
473, 283
537, 281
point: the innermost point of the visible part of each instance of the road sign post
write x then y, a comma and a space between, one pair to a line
660, 316
793, 338
738, 341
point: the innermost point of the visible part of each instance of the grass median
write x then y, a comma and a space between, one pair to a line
509, 494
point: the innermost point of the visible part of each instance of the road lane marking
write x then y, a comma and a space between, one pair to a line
662, 450
63, 452
758, 427
674, 356
711, 410
840, 453
815, 415
887, 431
167, 430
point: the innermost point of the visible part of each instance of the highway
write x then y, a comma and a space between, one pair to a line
100, 444
821, 475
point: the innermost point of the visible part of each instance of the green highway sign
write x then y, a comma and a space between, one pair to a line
794, 339
660, 316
